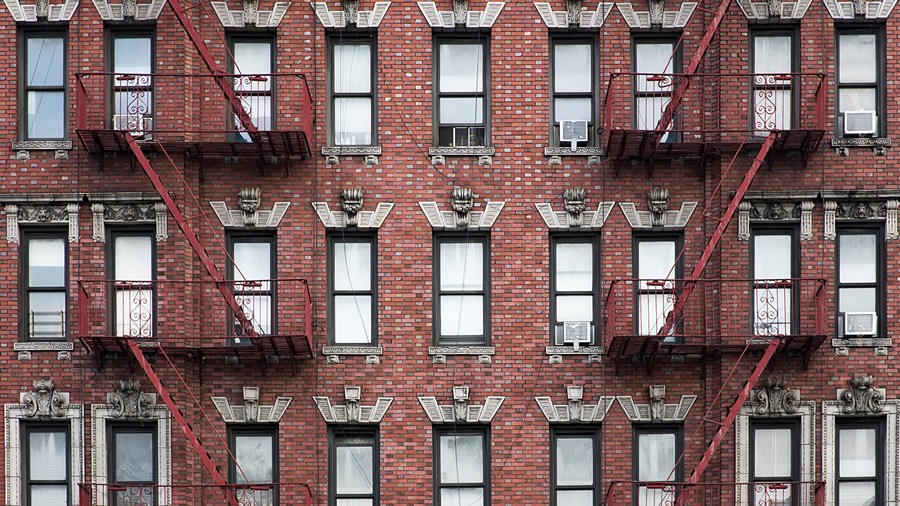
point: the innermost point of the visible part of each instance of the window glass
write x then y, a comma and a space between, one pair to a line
353, 319
462, 458
132, 55
352, 68
354, 469
45, 61
574, 308
572, 68
134, 456
47, 458
655, 259
134, 258
574, 266
353, 120
46, 262
575, 461
772, 54
857, 449
45, 93
772, 453
462, 110
857, 258
461, 266
254, 459
252, 260
462, 67
857, 56
656, 457
253, 58
352, 263
462, 315
653, 58
575, 497
772, 256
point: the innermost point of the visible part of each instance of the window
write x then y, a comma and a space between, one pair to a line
655, 62
44, 85
252, 268
860, 462
354, 471
860, 81
132, 460
773, 82
462, 467
45, 278
575, 467
658, 460
253, 61
134, 271
352, 285
462, 108
775, 462
574, 76
574, 282
463, 283
659, 274
46, 465
860, 290
774, 297
255, 461
352, 87
133, 62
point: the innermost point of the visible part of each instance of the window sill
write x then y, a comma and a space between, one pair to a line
593, 353
332, 154
439, 353
63, 349
555, 154
333, 353
438, 154
878, 145
60, 148
842, 346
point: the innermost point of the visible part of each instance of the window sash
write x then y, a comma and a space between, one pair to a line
864, 294
251, 265
570, 300
31, 483
367, 468
44, 122
254, 89
463, 484
352, 277
238, 437
564, 490
45, 305
463, 308
352, 88
450, 93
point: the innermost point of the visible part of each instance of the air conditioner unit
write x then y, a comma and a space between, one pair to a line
860, 324
859, 123
135, 124
573, 131
576, 332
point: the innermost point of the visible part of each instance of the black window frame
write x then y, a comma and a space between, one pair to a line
485, 292
767, 84
575, 38
344, 237
234, 330
235, 432
27, 482
444, 133
233, 125
878, 423
25, 331
793, 480
561, 432
880, 283
662, 428
360, 37
794, 231
460, 430
113, 233
44, 32
880, 85
594, 241
675, 134
131, 428
134, 32
336, 432
678, 274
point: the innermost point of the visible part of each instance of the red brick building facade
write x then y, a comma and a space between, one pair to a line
453, 253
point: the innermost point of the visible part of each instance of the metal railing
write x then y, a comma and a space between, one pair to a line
649, 493
259, 494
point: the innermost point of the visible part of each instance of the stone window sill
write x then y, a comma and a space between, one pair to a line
370, 154
439, 353
484, 154
60, 148
63, 349
593, 353
555, 154
333, 353
880, 345
878, 145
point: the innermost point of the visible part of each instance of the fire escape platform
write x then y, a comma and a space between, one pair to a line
277, 143
281, 346
622, 346
642, 144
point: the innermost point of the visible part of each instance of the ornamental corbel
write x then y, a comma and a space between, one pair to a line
352, 203
45, 401
460, 402
462, 201
830, 212
129, 401
658, 204
890, 219
775, 399
862, 398
743, 231
248, 200
574, 206
657, 402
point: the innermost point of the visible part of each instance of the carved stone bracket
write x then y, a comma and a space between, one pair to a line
129, 9
461, 15
657, 410
249, 214
250, 15
156, 213
876, 208
751, 210
352, 213
561, 220
251, 411
352, 203
461, 411
41, 10
45, 401
449, 220
40, 214
345, 17
862, 398
353, 411
669, 220
774, 399
575, 411
128, 401
657, 16
859, 9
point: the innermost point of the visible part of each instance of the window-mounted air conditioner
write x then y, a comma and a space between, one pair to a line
859, 123
135, 124
573, 131
860, 324
576, 332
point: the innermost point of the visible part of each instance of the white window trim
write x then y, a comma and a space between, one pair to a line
15, 413
101, 414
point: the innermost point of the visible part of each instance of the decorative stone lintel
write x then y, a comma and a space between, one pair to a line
666, 413
656, 17
369, 153
129, 9
352, 350
251, 410
448, 220
861, 205
132, 212
249, 214
364, 219
467, 151
582, 18
342, 18
784, 207
559, 220
671, 220
41, 214
352, 411
594, 354
250, 14
574, 411
43, 346
773, 10
461, 14
41, 10
461, 411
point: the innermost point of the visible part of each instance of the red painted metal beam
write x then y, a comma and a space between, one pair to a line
185, 426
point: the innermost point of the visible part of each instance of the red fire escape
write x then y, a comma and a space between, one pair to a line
647, 318
121, 316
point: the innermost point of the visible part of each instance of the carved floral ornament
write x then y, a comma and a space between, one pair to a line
775, 399
353, 411
249, 213
776, 210
352, 214
17, 214
463, 216
461, 411
862, 397
128, 401
862, 210
575, 411
574, 214
138, 212
45, 401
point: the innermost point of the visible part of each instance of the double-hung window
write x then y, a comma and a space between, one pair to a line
860, 282
352, 87
352, 284
134, 272
656, 63
462, 467
774, 453
463, 289
45, 272
657, 461
658, 273
860, 462
132, 461
573, 87
254, 467
774, 290
254, 83
462, 104
354, 468
575, 279
575, 467
46, 465
860, 82
773, 80
133, 87
45, 84
252, 269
